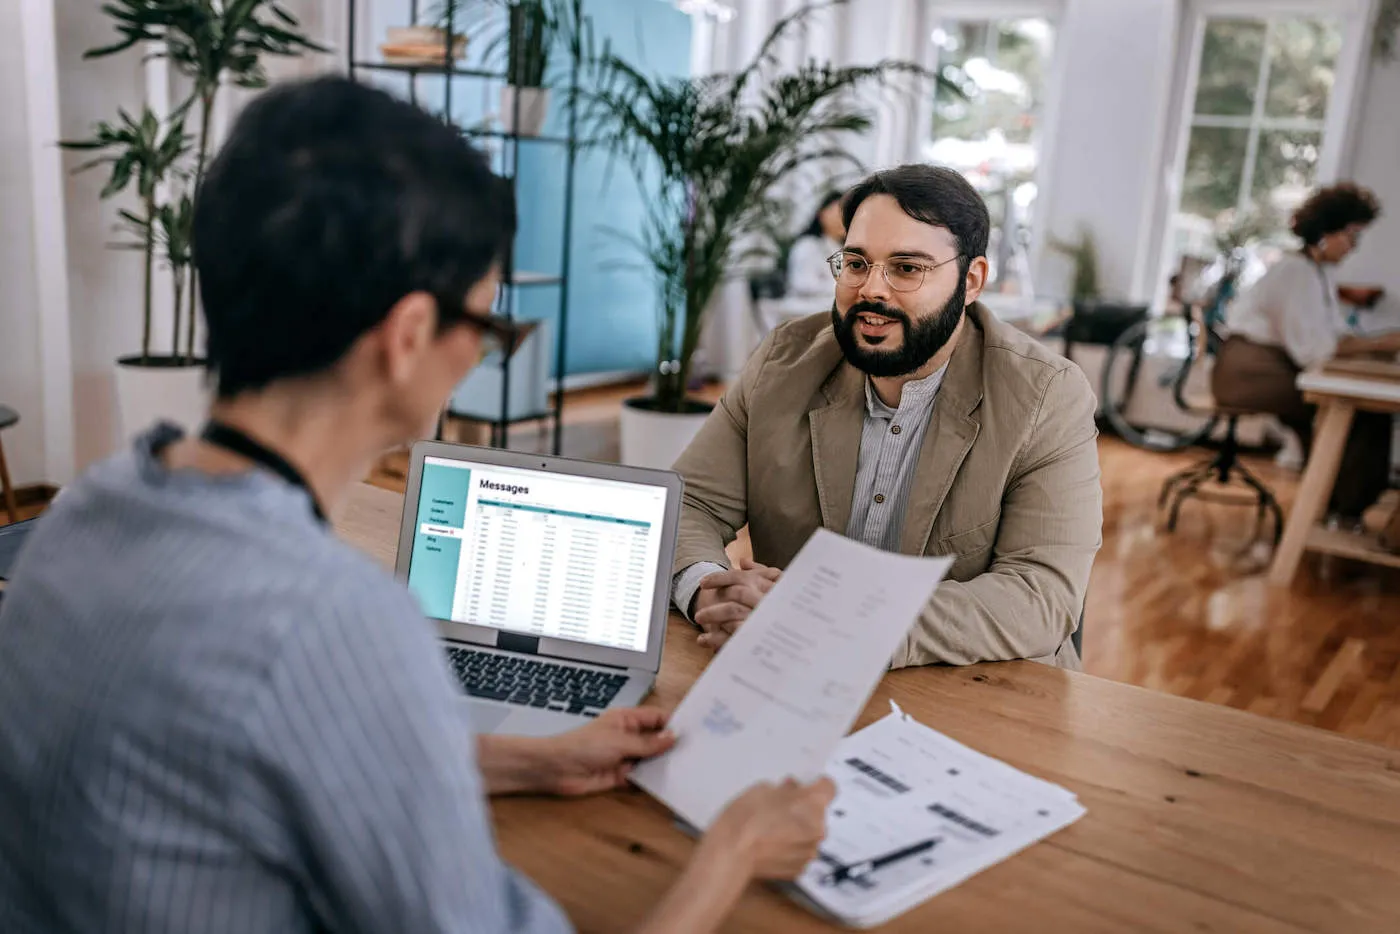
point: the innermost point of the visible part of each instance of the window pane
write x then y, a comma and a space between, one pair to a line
992, 136
1284, 170
1214, 171
1231, 56
1302, 66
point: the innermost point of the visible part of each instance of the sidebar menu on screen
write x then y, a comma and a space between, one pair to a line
437, 540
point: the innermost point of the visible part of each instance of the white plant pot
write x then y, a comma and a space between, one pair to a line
148, 394
534, 107
656, 439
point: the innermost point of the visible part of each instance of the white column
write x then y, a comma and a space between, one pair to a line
50, 256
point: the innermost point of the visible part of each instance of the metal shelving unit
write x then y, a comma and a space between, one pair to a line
448, 71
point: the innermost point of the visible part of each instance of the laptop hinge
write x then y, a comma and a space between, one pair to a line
514, 642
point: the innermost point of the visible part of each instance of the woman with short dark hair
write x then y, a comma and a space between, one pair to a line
1291, 320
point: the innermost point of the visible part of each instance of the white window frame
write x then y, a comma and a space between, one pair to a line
1338, 128
930, 12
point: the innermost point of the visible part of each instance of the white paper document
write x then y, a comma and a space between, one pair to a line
777, 699
916, 813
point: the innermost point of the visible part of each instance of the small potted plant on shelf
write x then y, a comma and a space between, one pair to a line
525, 33
525, 98
708, 154
211, 44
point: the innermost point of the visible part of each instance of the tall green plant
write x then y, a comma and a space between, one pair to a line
212, 43
709, 152
144, 152
175, 236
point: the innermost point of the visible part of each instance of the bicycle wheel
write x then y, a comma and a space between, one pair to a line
1142, 389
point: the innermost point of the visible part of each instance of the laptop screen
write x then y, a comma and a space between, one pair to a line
537, 552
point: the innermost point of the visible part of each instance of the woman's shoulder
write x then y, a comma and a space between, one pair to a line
1290, 267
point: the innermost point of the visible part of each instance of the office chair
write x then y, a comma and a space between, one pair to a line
1227, 470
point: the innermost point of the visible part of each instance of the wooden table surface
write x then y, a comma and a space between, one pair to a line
1200, 817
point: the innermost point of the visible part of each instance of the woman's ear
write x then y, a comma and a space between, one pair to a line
407, 334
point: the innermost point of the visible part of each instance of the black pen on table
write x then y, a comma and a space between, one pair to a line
865, 867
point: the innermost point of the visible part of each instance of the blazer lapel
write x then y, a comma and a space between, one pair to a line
836, 431
951, 432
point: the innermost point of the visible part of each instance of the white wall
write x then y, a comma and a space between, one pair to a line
1376, 164
35, 372
104, 285
1116, 61
20, 383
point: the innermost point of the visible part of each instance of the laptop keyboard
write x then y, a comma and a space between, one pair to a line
519, 679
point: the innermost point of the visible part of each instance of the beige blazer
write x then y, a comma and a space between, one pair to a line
1007, 482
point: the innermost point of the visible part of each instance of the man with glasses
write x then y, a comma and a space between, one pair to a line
913, 420
218, 717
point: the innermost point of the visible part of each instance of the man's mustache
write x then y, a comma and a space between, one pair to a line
875, 308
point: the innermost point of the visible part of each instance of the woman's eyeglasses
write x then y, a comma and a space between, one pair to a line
500, 334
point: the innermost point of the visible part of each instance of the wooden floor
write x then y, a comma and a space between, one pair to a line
1186, 612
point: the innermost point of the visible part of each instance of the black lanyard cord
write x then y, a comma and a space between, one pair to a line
231, 439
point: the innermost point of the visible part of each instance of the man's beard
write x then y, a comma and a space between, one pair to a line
921, 340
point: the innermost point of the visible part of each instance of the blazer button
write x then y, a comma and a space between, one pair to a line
879, 497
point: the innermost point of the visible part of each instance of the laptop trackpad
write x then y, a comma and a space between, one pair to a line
486, 717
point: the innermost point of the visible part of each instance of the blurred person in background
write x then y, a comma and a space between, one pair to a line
1291, 320
806, 273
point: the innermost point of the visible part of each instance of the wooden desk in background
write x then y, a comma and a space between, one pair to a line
1338, 389
1201, 817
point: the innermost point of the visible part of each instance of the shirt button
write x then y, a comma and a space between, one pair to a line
894, 429
879, 497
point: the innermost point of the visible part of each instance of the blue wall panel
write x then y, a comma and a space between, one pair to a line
612, 303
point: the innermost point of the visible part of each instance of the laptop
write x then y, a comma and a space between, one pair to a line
549, 579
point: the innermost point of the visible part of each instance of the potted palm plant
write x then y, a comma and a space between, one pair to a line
145, 153
708, 152
212, 44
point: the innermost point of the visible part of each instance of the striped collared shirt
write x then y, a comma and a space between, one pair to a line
890, 441
216, 717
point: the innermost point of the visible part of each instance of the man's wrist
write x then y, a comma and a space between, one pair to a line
685, 586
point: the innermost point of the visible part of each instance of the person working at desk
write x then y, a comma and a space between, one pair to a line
1290, 320
807, 275
217, 716
909, 418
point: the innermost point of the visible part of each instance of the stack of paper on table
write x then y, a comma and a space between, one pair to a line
915, 814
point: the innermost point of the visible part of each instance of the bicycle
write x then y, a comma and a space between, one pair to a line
1183, 339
